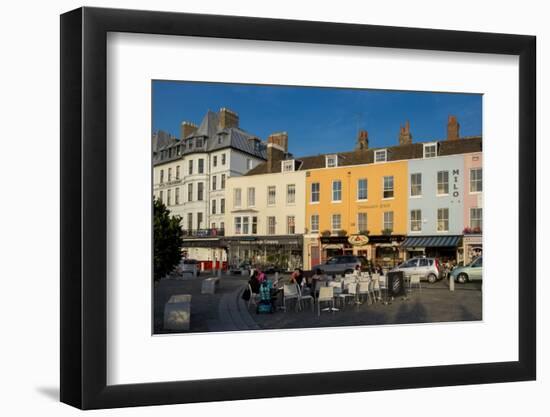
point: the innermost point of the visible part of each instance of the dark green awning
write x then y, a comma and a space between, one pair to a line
432, 241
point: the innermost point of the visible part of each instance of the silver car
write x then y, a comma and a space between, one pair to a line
471, 272
190, 266
344, 264
429, 269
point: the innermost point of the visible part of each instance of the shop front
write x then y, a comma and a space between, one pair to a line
210, 252
472, 247
445, 248
281, 252
380, 249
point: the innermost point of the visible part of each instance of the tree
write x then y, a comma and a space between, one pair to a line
168, 240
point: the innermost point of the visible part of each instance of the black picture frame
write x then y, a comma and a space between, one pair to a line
84, 207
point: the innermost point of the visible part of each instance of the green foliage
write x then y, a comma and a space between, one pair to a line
168, 240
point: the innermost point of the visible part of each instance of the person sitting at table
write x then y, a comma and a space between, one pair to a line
254, 283
297, 277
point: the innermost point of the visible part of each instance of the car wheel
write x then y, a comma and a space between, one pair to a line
432, 278
462, 278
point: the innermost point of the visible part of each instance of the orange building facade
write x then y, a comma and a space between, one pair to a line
356, 210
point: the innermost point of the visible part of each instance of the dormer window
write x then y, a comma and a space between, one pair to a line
288, 166
200, 142
331, 161
190, 144
381, 155
430, 150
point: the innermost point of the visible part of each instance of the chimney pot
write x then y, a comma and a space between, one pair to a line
362, 140
187, 128
228, 118
405, 136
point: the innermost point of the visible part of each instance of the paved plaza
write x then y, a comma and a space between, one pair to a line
226, 311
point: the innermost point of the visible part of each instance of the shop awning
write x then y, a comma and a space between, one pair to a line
431, 241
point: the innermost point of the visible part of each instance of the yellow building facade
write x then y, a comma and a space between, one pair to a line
369, 200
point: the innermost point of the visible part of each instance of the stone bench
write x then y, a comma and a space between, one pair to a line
177, 312
209, 285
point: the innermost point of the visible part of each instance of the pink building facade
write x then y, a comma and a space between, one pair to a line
473, 206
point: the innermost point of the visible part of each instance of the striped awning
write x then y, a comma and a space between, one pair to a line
431, 241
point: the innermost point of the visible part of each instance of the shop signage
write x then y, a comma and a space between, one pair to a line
386, 238
456, 173
358, 240
336, 240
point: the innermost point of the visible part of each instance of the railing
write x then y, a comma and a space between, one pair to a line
203, 232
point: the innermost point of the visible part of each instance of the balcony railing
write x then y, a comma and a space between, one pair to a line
203, 232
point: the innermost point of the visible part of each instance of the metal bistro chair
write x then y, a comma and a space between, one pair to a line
306, 297
365, 288
346, 294
326, 295
291, 292
415, 280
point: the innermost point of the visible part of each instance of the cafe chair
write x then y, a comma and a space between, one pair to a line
415, 280
308, 297
326, 295
365, 288
291, 292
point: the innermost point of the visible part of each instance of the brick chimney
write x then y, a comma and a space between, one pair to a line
405, 136
362, 140
228, 118
280, 139
186, 129
275, 154
453, 129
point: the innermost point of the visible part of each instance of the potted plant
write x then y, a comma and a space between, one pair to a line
325, 233
342, 233
387, 232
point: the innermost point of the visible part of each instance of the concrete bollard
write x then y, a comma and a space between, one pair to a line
177, 312
451, 283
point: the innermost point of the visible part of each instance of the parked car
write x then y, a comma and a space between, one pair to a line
190, 266
470, 272
429, 269
343, 264
241, 269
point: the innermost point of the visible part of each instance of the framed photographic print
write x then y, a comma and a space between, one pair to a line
259, 208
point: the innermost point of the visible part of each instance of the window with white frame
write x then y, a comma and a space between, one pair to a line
336, 222
223, 182
189, 221
223, 159
476, 215
443, 183
380, 155
362, 223
177, 172
388, 187
237, 197
199, 221
416, 220
362, 189
190, 166
290, 193
249, 164
271, 195
200, 191
190, 192
213, 206
331, 161
315, 192
169, 197
416, 185
238, 225
251, 197
388, 221
290, 225
430, 150
337, 190
271, 225
201, 166
314, 223
288, 166
169, 174
476, 180
161, 176
245, 225
443, 220
215, 161
214, 180
254, 225
177, 195
222, 205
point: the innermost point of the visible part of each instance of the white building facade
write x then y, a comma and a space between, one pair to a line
265, 218
191, 173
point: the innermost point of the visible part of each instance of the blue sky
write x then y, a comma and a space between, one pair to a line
318, 120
